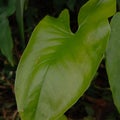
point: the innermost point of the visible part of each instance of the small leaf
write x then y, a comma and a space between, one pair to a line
6, 43
58, 66
113, 59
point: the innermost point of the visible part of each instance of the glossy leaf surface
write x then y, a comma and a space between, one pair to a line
58, 65
113, 59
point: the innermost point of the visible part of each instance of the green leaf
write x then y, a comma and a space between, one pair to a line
7, 9
113, 59
11, 7
6, 43
57, 66
19, 16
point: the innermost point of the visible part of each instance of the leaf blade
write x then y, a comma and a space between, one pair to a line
6, 42
57, 65
113, 58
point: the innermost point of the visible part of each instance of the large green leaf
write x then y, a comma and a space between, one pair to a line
113, 59
57, 66
6, 43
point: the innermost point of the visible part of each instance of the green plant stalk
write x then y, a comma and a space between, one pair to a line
19, 17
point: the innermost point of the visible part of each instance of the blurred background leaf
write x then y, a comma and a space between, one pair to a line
6, 42
113, 59
7, 7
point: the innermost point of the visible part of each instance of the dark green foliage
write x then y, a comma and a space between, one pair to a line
7, 8
113, 59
